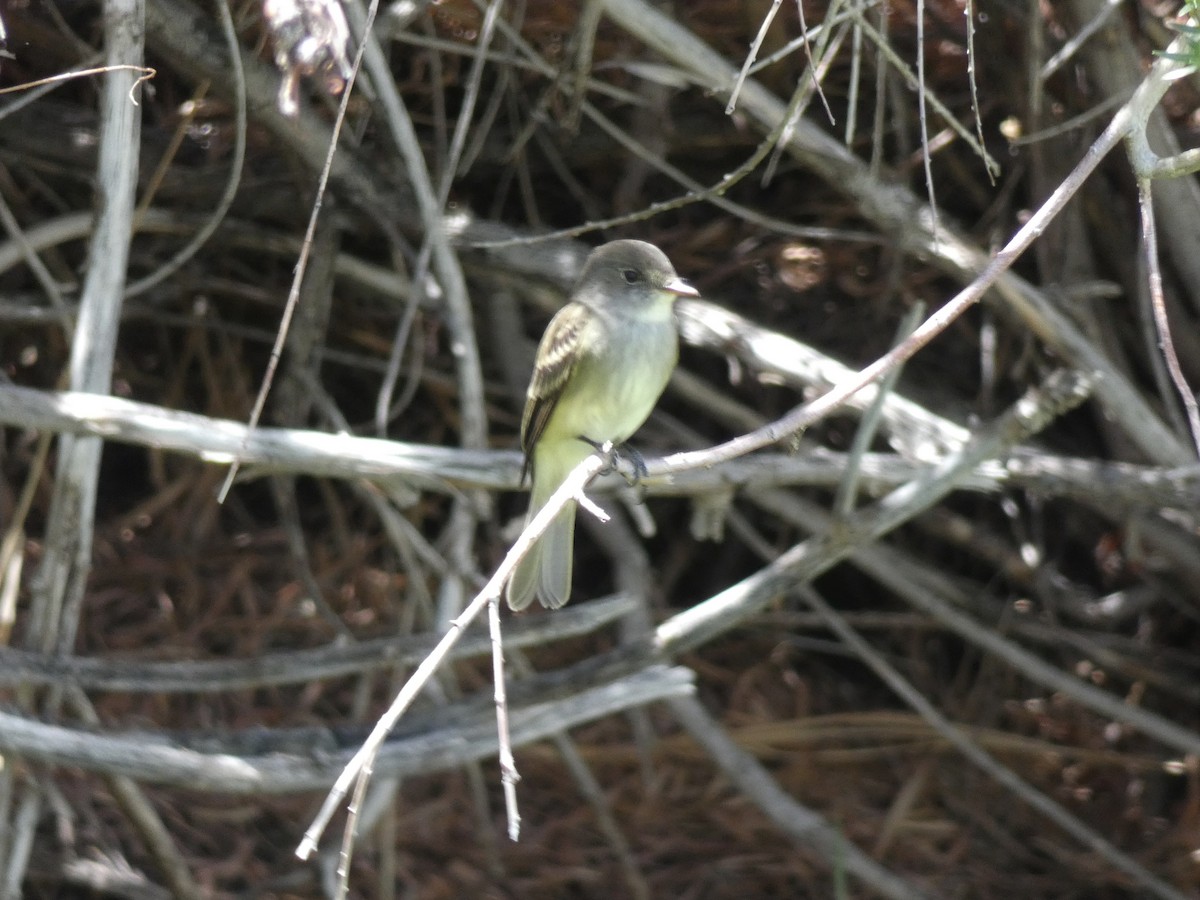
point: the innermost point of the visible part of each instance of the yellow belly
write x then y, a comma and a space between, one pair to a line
611, 394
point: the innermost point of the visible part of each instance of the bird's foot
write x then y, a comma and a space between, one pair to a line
606, 450
613, 457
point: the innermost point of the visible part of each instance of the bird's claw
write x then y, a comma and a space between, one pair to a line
613, 455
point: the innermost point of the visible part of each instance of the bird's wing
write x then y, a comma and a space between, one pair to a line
557, 356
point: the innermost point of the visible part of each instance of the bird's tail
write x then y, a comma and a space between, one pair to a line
545, 572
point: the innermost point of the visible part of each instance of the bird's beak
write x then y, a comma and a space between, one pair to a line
680, 288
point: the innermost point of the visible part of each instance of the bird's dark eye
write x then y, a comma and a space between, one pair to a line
631, 276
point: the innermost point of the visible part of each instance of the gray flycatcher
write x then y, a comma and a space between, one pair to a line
600, 368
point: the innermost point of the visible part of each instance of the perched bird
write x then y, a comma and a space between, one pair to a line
600, 368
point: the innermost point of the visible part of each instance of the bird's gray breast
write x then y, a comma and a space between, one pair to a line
628, 373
